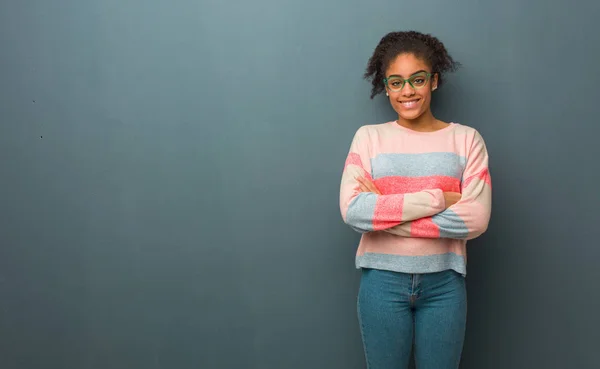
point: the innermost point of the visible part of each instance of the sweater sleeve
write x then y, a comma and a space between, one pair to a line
469, 217
367, 211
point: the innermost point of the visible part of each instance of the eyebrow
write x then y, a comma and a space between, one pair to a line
417, 72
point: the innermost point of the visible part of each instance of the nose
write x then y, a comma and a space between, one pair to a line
407, 90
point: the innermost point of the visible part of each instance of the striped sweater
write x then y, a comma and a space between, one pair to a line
406, 228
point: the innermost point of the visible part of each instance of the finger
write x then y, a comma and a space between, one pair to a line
364, 184
372, 187
364, 181
367, 185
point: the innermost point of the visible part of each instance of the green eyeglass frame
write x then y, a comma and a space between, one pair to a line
412, 81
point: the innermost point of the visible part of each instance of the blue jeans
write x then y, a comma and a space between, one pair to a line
397, 310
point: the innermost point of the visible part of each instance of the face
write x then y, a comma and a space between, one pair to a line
413, 99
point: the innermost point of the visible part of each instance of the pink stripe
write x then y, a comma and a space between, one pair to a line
386, 209
397, 184
391, 138
386, 243
483, 175
354, 159
425, 227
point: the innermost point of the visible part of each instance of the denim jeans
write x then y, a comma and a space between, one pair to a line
398, 310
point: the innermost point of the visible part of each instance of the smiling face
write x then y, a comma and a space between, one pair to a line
410, 99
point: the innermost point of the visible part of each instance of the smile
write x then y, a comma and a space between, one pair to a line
410, 103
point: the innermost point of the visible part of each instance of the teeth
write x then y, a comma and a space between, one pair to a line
410, 104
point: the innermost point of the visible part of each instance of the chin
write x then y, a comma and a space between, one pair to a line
410, 115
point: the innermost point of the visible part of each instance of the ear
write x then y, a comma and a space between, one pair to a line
434, 82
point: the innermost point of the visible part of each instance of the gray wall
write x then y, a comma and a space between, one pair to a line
170, 172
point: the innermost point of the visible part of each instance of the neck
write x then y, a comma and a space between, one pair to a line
426, 122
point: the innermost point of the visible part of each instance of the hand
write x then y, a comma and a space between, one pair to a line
367, 186
451, 198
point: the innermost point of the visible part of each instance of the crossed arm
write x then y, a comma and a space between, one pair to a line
425, 214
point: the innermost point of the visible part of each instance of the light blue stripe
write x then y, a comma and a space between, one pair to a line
360, 212
418, 165
451, 225
413, 264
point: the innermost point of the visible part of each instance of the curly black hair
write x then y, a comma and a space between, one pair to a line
423, 46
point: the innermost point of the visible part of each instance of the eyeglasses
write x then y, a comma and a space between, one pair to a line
417, 80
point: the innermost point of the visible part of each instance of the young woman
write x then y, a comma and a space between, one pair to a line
417, 189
